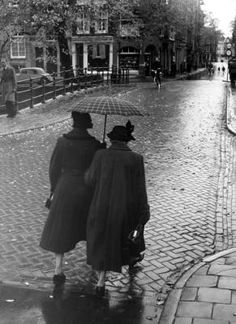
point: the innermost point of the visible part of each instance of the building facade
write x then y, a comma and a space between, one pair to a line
92, 44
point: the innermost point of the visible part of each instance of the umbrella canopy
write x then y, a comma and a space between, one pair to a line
105, 105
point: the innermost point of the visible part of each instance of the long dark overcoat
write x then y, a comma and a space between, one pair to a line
9, 84
66, 222
119, 204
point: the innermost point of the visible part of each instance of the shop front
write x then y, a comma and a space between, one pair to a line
129, 58
92, 52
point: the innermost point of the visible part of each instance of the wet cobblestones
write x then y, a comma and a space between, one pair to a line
185, 146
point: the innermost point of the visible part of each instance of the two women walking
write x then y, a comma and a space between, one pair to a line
99, 195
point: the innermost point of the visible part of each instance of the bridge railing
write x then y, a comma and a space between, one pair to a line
33, 91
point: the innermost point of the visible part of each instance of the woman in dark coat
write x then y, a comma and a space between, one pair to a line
66, 222
119, 204
9, 85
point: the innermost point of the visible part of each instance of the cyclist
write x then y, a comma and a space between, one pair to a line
156, 72
210, 68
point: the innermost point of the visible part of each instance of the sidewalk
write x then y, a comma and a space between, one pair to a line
206, 293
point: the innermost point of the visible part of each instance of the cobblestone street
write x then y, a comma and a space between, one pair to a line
186, 148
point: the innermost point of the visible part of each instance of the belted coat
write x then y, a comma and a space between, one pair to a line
66, 222
119, 204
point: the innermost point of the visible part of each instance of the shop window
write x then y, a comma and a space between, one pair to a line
129, 57
18, 49
129, 50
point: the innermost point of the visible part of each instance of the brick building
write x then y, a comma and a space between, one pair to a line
92, 44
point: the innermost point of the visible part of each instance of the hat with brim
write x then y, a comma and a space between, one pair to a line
120, 133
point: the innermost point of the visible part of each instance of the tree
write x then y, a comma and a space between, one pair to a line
56, 19
210, 36
11, 17
233, 24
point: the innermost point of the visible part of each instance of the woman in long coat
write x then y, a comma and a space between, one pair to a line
66, 222
119, 204
9, 85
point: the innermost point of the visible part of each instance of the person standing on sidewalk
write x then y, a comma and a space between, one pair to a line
66, 222
9, 85
118, 207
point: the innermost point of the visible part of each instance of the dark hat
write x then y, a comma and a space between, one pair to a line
82, 120
122, 133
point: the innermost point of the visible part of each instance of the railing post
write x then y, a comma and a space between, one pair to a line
102, 76
85, 73
98, 80
43, 98
127, 75
31, 94
78, 79
16, 100
54, 86
123, 75
72, 82
64, 82
108, 74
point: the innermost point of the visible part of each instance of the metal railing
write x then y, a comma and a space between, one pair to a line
33, 91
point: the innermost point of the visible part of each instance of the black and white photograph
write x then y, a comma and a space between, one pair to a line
117, 161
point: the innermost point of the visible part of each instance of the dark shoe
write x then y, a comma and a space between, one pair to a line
100, 291
135, 260
59, 279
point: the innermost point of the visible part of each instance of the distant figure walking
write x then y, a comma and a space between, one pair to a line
119, 206
210, 68
66, 222
9, 85
156, 72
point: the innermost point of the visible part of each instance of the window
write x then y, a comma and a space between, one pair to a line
101, 25
172, 33
18, 49
83, 23
128, 29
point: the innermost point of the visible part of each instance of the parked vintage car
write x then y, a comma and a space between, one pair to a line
36, 74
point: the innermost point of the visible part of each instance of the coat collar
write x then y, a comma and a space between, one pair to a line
77, 133
117, 145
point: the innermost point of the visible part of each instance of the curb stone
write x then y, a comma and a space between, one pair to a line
173, 299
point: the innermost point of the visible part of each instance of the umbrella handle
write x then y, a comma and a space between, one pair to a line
104, 130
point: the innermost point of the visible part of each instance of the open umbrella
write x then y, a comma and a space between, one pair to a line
106, 105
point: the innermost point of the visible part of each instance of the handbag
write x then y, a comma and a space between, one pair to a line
49, 201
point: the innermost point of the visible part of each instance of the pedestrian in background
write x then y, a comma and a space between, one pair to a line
66, 222
118, 206
9, 85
